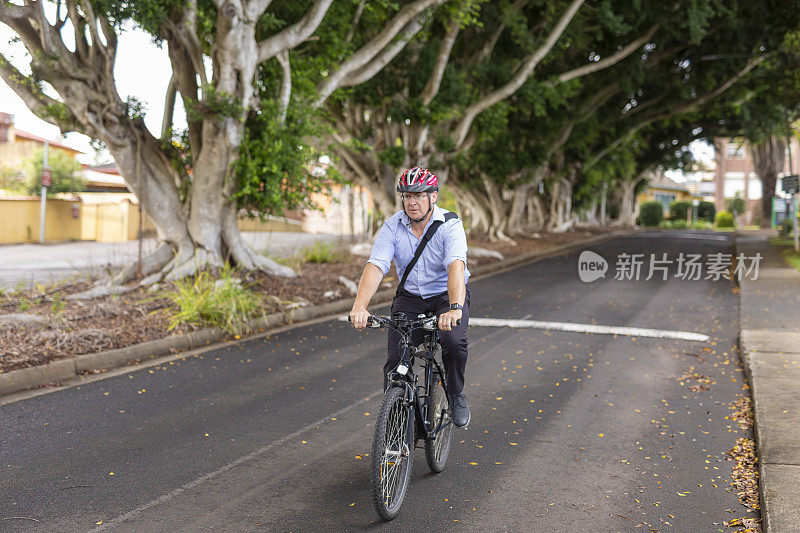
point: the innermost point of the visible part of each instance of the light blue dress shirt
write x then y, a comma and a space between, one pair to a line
395, 240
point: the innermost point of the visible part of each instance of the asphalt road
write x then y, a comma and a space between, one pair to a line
570, 431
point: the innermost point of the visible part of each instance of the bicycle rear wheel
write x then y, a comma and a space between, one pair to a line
392, 449
437, 449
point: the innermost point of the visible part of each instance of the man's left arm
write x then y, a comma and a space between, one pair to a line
456, 290
455, 261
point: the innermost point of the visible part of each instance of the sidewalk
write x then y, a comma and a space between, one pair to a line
770, 343
50, 262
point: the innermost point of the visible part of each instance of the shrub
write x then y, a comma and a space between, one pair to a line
680, 223
706, 211
736, 204
666, 224
321, 252
223, 303
724, 219
702, 224
651, 213
786, 227
678, 210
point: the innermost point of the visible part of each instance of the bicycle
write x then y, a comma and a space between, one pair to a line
409, 412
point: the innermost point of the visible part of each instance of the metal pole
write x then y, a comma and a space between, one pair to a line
793, 196
43, 209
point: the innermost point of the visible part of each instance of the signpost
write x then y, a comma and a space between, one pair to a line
790, 183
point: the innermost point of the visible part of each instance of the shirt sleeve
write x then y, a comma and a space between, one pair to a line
455, 244
383, 249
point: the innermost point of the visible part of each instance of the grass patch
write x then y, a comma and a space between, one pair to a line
321, 252
785, 246
223, 303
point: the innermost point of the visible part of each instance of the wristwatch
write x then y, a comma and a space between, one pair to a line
456, 306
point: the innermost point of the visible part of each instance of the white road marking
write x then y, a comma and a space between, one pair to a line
588, 328
583, 328
211, 475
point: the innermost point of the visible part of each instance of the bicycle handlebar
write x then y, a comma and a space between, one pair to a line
377, 321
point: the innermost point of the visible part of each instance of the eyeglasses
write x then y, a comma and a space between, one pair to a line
414, 196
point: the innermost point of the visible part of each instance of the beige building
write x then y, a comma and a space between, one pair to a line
108, 212
17, 145
665, 191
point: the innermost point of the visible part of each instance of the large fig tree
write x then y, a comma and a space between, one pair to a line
232, 67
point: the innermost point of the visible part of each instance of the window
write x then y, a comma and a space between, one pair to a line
732, 186
754, 188
664, 198
707, 188
734, 151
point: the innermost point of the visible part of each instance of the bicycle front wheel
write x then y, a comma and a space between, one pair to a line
437, 449
392, 450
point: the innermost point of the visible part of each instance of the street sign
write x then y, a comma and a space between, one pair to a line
46, 177
790, 183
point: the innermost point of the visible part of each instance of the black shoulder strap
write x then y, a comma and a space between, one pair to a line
421, 246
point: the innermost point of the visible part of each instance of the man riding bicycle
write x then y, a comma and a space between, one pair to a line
436, 281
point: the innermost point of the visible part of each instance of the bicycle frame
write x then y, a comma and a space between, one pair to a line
404, 375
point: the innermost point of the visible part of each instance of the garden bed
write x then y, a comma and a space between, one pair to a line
73, 327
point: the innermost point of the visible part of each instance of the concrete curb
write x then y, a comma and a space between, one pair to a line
770, 351
64, 369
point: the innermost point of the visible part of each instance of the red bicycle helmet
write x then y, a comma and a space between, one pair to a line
418, 179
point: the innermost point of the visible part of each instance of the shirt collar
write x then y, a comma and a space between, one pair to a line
437, 214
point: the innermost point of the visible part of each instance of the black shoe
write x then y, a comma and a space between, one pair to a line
460, 411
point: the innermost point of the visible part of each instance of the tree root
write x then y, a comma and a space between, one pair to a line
103, 289
166, 265
244, 256
201, 260
150, 265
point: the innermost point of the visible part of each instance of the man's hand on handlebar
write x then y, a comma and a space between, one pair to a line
449, 320
358, 317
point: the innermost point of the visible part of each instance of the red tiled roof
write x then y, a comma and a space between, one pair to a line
36, 138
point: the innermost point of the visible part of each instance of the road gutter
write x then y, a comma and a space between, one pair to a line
770, 350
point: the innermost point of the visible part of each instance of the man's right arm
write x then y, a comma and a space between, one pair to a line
367, 287
377, 266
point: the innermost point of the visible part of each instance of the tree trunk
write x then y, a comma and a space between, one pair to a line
768, 159
537, 218
627, 210
498, 211
560, 206
201, 232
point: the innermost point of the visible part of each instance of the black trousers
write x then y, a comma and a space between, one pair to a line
454, 342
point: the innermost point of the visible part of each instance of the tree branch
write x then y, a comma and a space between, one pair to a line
435, 80
609, 61
59, 21
488, 46
290, 37
356, 19
286, 84
9, 11
522, 75
78, 29
169, 106
369, 70
185, 32
255, 8
186, 78
686, 107
39, 103
367, 52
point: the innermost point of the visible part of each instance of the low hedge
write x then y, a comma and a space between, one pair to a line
651, 213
